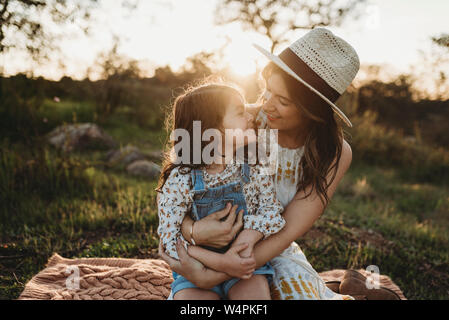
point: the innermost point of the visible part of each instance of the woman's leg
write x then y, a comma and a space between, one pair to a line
255, 288
195, 294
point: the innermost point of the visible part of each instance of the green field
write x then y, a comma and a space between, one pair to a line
77, 207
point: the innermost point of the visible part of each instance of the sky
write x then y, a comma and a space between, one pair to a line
158, 33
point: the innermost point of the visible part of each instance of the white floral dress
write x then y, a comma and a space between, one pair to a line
295, 278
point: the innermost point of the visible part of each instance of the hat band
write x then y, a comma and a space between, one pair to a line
308, 75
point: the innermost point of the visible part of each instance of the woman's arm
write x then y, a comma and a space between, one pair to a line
192, 269
231, 262
211, 231
300, 215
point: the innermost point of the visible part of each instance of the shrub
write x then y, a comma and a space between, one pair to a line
373, 143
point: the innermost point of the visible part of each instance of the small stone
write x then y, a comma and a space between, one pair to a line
144, 168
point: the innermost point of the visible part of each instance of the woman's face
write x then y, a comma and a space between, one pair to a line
282, 114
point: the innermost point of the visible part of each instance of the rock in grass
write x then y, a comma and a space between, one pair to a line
156, 155
80, 137
125, 156
144, 168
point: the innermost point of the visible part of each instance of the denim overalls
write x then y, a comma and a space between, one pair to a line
208, 201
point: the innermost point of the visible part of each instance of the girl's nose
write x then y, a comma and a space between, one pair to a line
268, 106
250, 117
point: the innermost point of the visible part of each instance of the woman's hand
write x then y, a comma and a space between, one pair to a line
237, 266
186, 265
211, 231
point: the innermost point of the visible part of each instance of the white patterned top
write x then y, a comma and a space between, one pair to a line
175, 201
288, 170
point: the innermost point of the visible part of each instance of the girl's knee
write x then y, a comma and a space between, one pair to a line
255, 288
195, 294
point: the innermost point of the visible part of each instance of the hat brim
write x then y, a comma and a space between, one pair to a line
281, 64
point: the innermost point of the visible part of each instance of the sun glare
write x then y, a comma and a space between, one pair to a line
242, 57
242, 65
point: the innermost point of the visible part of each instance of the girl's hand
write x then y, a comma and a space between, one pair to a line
211, 231
235, 265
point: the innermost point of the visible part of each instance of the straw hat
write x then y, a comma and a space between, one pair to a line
323, 62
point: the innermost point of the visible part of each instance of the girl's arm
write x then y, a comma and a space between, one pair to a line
268, 218
173, 204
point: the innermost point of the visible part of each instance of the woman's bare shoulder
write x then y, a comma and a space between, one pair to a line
346, 156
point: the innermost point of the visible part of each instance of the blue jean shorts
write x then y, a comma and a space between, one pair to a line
181, 283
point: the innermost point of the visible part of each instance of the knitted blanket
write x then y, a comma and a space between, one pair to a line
118, 279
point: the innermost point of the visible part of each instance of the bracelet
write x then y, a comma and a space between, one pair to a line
191, 234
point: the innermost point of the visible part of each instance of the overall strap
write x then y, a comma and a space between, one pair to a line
245, 172
197, 179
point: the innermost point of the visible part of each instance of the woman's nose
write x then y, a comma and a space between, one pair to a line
268, 106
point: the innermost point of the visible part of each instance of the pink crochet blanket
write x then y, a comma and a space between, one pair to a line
118, 279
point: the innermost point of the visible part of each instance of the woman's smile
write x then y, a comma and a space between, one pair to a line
271, 117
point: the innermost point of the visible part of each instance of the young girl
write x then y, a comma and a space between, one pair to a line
202, 189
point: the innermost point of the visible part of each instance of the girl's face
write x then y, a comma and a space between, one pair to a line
236, 117
281, 112
238, 124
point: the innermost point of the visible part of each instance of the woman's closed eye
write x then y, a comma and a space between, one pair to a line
284, 101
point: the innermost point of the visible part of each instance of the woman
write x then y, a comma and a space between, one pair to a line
302, 84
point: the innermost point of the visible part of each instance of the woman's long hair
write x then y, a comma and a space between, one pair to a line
206, 103
324, 138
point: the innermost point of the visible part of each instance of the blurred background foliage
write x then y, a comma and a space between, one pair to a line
392, 208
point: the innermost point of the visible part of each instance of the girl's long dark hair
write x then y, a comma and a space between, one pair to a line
324, 139
206, 103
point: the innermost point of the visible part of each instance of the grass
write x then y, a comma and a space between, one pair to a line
378, 219
75, 206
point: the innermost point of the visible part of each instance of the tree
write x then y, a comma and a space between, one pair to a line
118, 74
441, 65
442, 40
28, 25
276, 18
24, 24
432, 73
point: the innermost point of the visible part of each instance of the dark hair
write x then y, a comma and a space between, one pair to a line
206, 103
324, 140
